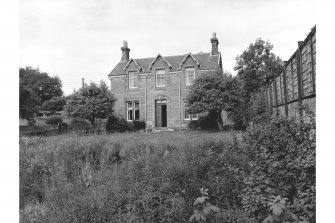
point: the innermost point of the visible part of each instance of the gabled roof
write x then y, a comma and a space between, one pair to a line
185, 58
129, 62
153, 62
206, 62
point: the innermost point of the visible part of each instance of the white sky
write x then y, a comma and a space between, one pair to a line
82, 38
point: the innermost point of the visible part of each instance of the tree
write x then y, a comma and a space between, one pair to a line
91, 102
29, 102
212, 93
41, 83
54, 104
257, 65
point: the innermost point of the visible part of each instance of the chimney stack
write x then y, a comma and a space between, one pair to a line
215, 45
125, 51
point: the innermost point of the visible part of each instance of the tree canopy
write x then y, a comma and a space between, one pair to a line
91, 102
258, 65
29, 102
54, 104
213, 92
41, 83
36, 87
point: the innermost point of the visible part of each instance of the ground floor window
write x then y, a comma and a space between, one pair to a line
133, 110
188, 115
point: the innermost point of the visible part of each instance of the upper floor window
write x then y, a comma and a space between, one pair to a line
190, 76
160, 78
132, 79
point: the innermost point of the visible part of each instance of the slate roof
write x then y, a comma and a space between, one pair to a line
206, 61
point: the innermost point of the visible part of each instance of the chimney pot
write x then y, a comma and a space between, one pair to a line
215, 45
125, 51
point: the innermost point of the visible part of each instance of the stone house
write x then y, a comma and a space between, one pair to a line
154, 89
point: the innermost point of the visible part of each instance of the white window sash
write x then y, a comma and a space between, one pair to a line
160, 78
190, 76
131, 79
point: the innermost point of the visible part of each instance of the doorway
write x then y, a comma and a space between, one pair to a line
160, 113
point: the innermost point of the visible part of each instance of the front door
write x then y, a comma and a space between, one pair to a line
160, 113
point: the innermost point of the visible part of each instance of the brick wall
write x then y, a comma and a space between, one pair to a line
295, 85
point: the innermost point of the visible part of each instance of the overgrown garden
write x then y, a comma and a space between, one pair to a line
268, 174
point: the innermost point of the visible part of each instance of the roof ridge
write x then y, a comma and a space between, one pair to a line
179, 55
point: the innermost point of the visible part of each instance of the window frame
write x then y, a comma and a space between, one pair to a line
164, 77
133, 110
134, 79
187, 79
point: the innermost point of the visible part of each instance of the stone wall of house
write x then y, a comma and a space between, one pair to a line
175, 91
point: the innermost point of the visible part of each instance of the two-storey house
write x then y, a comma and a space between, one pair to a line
154, 89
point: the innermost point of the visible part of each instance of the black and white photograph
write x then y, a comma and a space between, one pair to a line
144, 111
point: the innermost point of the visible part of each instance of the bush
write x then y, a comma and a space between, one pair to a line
282, 163
53, 120
138, 125
116, 124
78, 120
204, 123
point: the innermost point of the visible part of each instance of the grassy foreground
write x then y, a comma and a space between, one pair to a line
72, 178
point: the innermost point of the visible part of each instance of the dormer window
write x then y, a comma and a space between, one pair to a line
132, 79
160, 78
189, 76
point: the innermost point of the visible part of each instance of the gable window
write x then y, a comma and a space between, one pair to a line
133, 110
160, 78
190, 76
132, 79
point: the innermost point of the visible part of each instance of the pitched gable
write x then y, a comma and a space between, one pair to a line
189, 59
133, 64
205, 60
160, 59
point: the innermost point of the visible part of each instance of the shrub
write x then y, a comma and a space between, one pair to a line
53, 120
138, 125
116, 124
78, 120
204, 123
282, 163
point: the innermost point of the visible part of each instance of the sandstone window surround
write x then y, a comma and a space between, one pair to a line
190, 75
132, 79
160, 78
133, 110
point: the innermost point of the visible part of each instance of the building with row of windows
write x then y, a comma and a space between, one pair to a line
155, 89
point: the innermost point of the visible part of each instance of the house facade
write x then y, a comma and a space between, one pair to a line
154, 89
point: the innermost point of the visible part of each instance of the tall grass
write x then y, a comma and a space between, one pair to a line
72, 178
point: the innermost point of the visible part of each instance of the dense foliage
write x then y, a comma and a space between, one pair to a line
282, 162
53, 120
29, 102
258, 65
54, 104
117, 124
36, 87
255, 67
268, 174
91, 102
41, 83
212, 93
